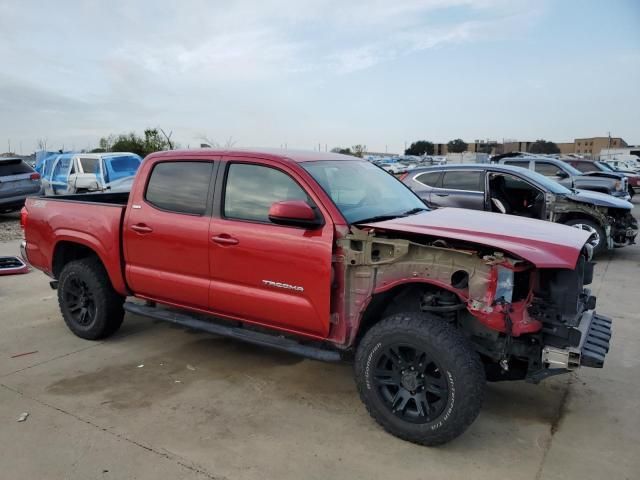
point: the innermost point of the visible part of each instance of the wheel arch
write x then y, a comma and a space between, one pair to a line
387, 300
577, 215
67, 250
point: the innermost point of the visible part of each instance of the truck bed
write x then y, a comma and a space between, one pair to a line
93, 220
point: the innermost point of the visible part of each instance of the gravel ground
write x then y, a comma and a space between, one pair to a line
10, 226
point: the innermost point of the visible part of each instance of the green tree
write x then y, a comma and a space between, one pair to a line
419, 148
154, 140
359, 150
543, 146
457, 146
344, 151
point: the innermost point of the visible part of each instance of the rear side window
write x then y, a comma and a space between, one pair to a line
431, 179
14, 167
252, 189
463, 180
180, 187
547, 169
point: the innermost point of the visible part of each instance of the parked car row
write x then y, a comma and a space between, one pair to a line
514, 190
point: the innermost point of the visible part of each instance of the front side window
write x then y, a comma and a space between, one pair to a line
584, 166
463, 180
252, 189
180, 187
546, 169
518, 163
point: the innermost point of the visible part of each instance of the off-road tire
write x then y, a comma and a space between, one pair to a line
602, 244
107, 312
458, 364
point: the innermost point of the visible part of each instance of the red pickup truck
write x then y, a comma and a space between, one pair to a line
329, 257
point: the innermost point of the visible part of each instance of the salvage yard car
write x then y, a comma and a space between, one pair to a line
17, 181
590, 167
524, 193
566, 175
68, 173
330, 257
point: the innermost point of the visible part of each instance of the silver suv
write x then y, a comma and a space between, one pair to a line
17, 181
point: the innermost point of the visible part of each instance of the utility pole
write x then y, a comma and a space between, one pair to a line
9, 142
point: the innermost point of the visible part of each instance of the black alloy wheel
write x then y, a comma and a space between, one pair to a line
410, 383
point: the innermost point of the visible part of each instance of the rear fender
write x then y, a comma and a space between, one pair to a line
108, 255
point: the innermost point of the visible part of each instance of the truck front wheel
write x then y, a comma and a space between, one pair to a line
419, 378
90, 306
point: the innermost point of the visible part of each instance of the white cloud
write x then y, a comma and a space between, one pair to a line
127, 65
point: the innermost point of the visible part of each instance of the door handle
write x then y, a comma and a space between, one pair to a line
442, 194
141, 228
225, 239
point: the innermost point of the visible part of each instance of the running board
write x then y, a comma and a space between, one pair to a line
194, 321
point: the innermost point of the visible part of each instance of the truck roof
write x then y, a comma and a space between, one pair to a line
266, 153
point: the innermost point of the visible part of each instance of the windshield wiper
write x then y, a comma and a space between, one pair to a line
413, 211
380, 218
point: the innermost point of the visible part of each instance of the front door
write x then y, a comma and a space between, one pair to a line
166, 234
262, 272
59, 184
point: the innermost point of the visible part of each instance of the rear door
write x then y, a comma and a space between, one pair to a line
423, 184
265, 273
459, 188
17, 179
166, 233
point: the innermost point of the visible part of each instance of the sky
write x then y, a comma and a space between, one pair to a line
306, 74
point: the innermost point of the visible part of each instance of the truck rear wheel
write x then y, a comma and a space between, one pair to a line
90, 306
419, 378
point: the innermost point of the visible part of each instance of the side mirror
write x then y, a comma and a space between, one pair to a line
294, 213
562, 174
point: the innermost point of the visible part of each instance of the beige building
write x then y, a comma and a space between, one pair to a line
591, 146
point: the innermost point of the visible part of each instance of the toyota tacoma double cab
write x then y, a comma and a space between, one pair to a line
330, 257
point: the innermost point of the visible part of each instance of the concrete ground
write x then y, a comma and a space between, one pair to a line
161, 402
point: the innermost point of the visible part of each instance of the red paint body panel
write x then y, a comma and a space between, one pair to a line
544, 244
94, 225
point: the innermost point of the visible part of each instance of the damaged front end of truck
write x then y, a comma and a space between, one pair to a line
525, 322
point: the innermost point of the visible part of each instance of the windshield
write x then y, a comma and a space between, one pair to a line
553, 187
121, 166
604, 166
362, 191
573, 171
